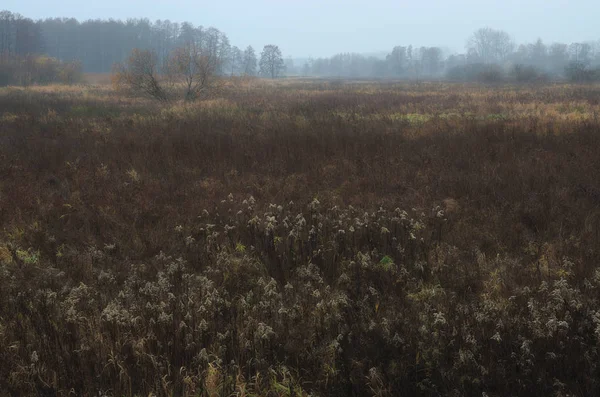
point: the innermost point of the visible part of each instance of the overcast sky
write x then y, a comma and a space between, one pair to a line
325, 27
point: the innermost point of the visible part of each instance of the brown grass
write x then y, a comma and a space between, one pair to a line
133, 260
97, 78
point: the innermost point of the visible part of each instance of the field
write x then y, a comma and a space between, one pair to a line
301, 238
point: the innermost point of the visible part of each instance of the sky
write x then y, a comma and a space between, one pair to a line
303, 28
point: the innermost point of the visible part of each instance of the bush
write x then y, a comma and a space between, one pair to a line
191, 68
578, 72
70, 73
527, 74
140, 75
476, 72
37, 70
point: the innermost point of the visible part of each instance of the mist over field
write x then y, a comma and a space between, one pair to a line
294, 199
324, 28
357, 39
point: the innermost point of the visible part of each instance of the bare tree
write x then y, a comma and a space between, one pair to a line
581, 53
249, 62
558, 57
271, 61
223, 51
236, 61
190, 67
194, 69
490, 45
538, 53
431, 58
397, 60
503, 45
307, 68
140, 74
417, 63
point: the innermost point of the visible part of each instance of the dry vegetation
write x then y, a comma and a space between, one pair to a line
301, 238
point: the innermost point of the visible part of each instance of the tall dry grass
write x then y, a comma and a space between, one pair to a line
302, 238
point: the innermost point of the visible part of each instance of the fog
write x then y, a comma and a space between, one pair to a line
323, 28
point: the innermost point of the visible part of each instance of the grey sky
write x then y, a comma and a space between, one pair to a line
322, 28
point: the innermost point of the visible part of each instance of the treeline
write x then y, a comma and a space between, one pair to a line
402, 62
19, 36
491, 55
99, 44
22, 55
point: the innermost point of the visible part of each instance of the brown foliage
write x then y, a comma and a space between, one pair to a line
37, 70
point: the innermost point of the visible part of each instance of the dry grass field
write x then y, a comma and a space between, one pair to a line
301, 238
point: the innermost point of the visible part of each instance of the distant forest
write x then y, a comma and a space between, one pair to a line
490, 55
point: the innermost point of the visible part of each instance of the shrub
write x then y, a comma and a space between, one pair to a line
578, 72
188, 68
477, 72
37, 70
140, 74
527, 74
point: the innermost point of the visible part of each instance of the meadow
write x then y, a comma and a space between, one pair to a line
301, 237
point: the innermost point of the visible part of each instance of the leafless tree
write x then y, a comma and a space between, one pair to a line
194, 68
271, 61
490, 45
140, 73
431, 58
398, 60
249, 63
236, 61
581, 52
